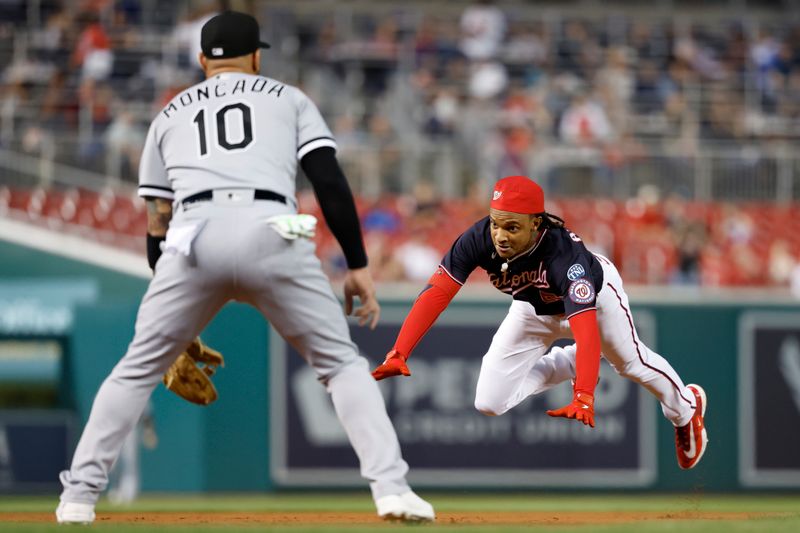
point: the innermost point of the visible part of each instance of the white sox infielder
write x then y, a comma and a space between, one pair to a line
222, 155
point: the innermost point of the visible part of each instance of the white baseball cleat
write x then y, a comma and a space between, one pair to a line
407, 507
75, 513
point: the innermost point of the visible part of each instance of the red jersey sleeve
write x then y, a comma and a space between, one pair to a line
587, 358
434, 299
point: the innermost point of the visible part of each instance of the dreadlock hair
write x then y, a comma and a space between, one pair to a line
550, 221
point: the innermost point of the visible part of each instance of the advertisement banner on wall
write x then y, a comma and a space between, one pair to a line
35, 445
444, 439
769, 399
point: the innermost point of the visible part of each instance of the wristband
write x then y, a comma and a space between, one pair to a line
153, 250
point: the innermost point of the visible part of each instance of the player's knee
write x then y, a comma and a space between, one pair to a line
328, 371
629, 370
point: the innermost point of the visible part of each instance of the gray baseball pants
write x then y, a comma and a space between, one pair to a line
237, 256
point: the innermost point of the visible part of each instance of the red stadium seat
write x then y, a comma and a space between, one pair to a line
19, 199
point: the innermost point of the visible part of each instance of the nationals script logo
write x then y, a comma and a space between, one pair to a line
507, 282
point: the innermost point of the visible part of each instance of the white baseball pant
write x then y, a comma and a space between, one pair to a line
516, 366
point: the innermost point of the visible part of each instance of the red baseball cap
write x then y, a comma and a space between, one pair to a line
518, 194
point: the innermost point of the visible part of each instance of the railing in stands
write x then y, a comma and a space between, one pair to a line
29, 170
718, 173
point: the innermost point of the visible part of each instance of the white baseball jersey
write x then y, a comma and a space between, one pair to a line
233, 130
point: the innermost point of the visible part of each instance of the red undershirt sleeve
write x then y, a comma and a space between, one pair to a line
426, 309
587, 358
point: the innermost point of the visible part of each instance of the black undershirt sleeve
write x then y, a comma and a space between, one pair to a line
336, 200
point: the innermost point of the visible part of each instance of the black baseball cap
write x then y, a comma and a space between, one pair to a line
230, 34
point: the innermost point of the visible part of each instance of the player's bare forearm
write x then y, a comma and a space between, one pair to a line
159, 214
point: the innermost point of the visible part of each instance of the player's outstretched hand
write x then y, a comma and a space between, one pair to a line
359, 283
393, 365
581, 408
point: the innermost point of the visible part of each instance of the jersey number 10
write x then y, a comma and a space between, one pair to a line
223, 142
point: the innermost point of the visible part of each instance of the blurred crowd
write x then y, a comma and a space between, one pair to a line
88, 77
497, 88
501, 84
506, 88
652, 240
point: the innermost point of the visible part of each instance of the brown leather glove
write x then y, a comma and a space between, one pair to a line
189, 376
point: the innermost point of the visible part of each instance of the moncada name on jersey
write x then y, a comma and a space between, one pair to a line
198, 94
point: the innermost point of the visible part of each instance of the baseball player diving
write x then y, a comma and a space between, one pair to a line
560, 290
218, 174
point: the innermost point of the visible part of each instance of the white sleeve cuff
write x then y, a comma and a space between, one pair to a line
312, 145
157, 192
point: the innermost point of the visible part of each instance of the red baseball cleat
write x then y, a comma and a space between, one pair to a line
691, 439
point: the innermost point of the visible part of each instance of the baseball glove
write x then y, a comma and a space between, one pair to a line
189, 376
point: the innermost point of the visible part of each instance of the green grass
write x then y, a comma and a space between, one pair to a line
785, 509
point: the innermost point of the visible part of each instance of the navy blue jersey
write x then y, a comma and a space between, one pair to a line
557, 276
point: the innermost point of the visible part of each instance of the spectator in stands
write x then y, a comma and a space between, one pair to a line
789, 97
648, 42
443, 112
13, 12
647, 97
615, 83
382, 260
527, 45
92, 54
734, 227
794, 281
349, 135
517, 143
16, 96
723, 119
50, 41
735, 55
675, 80
483, 28
488, 79
383, 142
422, 222
693, 51
578, 51
124, 142
559, 89
781, 263
59, 106
91, 146
417, 257
378, 55
764, 52
585, 123
749, 268
186, 35
691, 239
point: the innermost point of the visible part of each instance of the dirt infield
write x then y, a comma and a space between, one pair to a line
482, 518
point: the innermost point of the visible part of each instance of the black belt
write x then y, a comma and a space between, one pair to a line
260, 194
